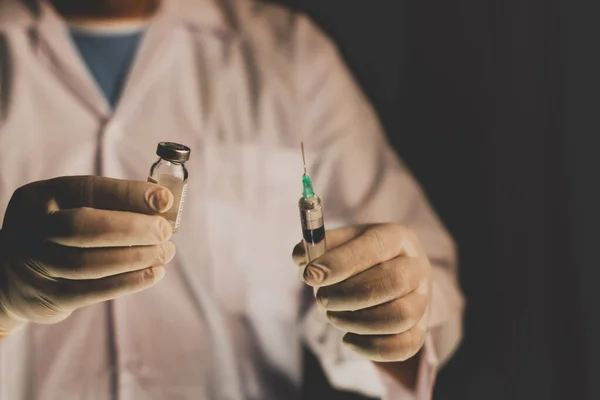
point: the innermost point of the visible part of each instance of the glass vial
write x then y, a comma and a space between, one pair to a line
169, 171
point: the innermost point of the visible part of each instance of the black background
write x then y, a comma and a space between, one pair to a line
494, 107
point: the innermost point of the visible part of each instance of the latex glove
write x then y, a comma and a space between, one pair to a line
73, 241
374, 283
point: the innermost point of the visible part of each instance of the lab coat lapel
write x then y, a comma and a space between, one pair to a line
156, 54
59, 54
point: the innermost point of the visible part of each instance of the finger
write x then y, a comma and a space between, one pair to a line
80, 264
374, 246
387, 348
394, 317
299, 255
95, 192
109, 194
89, 227
70, 295
335, 238
383, 283
30, 204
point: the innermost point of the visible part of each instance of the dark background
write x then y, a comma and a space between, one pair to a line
494, 105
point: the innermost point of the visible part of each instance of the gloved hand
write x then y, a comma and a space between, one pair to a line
73, 241
374, 283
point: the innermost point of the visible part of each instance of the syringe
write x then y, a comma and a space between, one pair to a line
311, 217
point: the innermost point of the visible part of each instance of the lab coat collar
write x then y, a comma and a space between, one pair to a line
15, 14
213, 16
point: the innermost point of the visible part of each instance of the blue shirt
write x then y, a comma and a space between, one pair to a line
109, 56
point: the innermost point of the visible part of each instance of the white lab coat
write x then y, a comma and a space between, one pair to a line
241, 84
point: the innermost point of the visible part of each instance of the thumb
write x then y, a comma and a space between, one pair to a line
334, 237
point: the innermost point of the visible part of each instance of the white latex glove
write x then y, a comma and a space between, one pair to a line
73, 241
375, 284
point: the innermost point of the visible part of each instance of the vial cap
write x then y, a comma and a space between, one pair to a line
173, 152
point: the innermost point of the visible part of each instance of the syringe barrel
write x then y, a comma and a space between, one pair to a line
313, 227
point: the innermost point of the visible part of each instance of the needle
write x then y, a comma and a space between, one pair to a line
303, 158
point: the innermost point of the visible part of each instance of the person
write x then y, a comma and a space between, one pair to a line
87, 90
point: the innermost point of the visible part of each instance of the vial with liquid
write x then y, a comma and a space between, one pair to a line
169, 171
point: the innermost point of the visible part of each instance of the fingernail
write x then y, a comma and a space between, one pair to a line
156, 273
409, 249
423, 287
314, 274
299, 258
167, 252
166, 229
159, 199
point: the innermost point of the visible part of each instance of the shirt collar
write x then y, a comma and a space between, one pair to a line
198, 13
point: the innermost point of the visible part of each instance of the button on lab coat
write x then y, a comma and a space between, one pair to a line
241, 84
